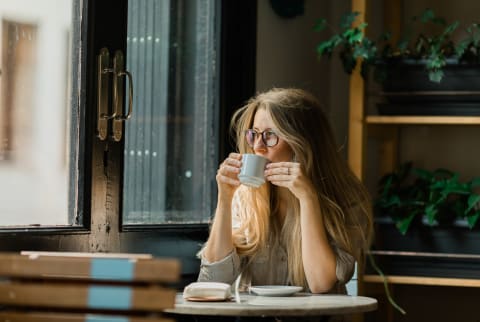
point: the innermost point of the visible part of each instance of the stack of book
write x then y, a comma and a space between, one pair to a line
90, 287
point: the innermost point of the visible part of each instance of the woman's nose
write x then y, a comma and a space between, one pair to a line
259, 144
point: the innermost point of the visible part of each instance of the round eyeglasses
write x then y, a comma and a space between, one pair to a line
269, 137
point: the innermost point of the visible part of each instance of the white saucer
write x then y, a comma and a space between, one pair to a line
275, 290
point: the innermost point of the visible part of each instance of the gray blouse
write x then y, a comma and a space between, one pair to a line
269, 267
268, 270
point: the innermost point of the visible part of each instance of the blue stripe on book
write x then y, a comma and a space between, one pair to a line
109, 297
105, 318
112, 268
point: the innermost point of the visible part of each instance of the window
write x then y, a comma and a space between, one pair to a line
170, 143
34, 117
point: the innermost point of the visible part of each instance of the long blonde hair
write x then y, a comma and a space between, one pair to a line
344, 202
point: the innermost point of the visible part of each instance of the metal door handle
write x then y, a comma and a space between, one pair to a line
117, 116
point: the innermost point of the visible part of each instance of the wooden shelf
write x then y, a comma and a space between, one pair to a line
381, 139
418, 120
425, 254
423, 280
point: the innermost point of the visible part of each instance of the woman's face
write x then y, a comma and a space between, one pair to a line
278, 153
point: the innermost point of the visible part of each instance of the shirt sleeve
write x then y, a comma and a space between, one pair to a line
345, 260
225, 270
345, 265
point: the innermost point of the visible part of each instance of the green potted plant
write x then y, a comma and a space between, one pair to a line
433, 198
434, 73
432, 51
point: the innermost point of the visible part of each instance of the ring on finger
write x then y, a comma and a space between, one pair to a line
288, 171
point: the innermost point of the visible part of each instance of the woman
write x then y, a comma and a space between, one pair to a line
312, 219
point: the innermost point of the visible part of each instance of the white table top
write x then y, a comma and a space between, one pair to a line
301, 304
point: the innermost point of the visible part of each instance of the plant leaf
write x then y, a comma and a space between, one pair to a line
475, 182
472, 219
431, 211
362, 26
402, 45
361, 52
320, 25
427, 15
472, 202
404, 223
451, 28
435, 76
461, 47
325, 48
354, 35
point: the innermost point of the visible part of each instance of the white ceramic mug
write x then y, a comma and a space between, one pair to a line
252, 171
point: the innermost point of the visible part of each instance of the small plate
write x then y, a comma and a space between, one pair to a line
208, 299
275, 290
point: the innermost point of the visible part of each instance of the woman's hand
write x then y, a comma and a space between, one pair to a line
289, 175
227, 174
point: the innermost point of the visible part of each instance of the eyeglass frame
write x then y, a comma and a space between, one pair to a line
262, 135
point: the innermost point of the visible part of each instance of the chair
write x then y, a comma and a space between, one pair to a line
56, 286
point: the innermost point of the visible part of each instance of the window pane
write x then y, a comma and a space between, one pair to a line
170, 144
34, 111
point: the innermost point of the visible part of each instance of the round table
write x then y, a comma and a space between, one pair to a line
301, 304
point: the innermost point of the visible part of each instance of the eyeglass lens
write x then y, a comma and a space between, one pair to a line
269, 137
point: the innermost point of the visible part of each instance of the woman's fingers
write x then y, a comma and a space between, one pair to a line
282, 170
289, 175
229, 180
229, 169
285, 174
231, 164
233, 159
